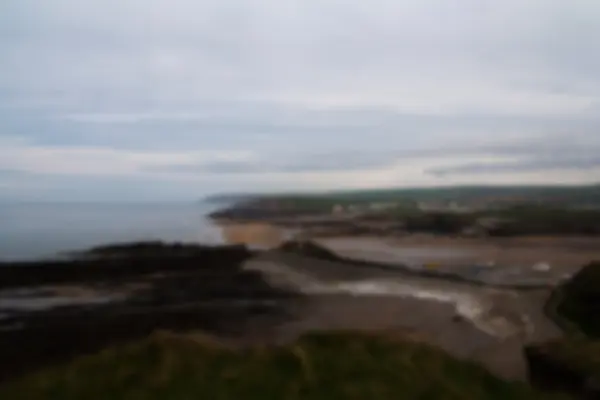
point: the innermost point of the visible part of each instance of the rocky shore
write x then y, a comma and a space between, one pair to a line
53, 310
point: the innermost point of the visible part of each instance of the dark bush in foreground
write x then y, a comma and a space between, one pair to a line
544, 220
438, 222
321, 366
573, 362
580, 300
570, 364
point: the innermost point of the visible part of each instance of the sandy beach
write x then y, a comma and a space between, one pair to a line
564, 254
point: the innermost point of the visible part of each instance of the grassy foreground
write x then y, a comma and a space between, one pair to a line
319, 366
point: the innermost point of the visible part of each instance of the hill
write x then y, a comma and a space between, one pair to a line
319, 366
584, 194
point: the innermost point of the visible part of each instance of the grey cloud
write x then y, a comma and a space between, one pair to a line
216, 167
11, 173
337, 161
541, 164
277, 129
551, 153
546, 152
229, 48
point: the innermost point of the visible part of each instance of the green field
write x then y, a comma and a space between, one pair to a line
566, 194
319, 366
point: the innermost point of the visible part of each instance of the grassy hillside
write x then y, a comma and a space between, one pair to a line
573, 362
580, 300
319, 366
560, 194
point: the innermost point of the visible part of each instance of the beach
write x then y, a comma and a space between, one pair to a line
564, 254
488, 325
478, 299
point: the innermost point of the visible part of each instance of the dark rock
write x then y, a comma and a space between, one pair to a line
122, 261
184, 287
310, 249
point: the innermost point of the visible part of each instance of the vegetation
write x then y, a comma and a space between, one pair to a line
573, 362
580, 300
570, 364
534, 219
558, 195
581, 354
534, 211
438, 222
319, 366
514, 221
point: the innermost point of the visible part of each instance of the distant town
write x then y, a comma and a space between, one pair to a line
469, 211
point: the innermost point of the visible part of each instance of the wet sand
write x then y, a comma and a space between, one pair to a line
428, 321
564, 254
487, 325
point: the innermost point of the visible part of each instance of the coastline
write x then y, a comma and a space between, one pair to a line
276, 294
267, 297
120, 293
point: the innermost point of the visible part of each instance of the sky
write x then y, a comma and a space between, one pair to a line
174, 99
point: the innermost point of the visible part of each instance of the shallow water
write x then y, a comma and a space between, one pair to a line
43, 303
27, 300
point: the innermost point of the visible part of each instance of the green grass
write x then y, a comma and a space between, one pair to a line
319, 366
561, 194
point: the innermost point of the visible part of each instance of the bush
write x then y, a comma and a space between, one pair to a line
444, 223
536, 219
580, 300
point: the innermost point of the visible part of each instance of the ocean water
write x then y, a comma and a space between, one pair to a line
31, 231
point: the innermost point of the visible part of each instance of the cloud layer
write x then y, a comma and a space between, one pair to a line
160, 99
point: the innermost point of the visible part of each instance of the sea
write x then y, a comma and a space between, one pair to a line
46, 230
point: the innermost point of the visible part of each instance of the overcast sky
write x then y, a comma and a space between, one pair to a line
173, 99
